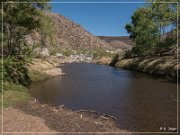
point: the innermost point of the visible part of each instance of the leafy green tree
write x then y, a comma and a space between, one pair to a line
142, 30
46, 30
19, 20
154, 27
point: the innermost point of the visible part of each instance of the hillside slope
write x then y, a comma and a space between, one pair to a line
121, 42
72, 35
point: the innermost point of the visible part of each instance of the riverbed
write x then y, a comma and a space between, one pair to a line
139, 102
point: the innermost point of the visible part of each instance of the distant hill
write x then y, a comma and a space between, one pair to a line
122, 42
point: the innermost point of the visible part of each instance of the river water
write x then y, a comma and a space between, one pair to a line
140, 103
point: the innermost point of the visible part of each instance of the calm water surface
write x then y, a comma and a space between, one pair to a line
138, 101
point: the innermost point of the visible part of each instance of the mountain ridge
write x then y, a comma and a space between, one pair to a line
118, 42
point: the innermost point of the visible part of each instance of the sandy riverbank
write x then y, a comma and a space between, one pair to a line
165, 66
41, 69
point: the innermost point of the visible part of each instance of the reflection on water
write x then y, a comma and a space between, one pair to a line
138, 101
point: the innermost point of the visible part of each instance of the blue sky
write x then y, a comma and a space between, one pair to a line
99, 19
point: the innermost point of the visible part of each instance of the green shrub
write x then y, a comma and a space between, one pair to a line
127, 54
67, 52
114, 60
35, 75
13, 87
53, 51
97, 53
15, 71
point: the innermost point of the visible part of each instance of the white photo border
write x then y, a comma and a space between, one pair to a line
92, 132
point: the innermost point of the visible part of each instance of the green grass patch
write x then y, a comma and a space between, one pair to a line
13, 93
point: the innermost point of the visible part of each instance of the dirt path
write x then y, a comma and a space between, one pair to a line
17, 121
35, 117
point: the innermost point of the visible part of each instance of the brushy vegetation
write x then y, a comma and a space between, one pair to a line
15, 80
54, 50
20, 20
35, 75
67, 52
114, 60
15, 71
165, 66
154, 29
100, 53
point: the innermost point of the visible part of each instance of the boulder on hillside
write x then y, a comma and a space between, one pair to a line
42, 52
